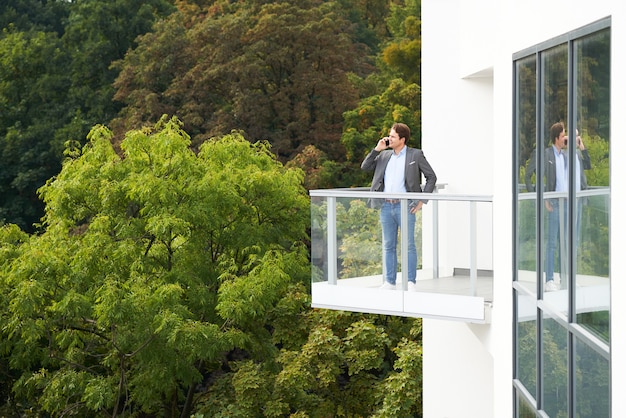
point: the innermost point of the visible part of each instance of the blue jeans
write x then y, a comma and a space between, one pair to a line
390, 219
553, 240
554, 234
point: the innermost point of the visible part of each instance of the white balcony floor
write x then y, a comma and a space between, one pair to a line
445, 297
449, 298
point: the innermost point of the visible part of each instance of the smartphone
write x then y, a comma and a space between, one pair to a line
387, 141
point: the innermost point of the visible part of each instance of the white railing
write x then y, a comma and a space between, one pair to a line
330, 196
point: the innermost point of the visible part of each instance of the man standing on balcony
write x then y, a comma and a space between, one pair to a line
398, 169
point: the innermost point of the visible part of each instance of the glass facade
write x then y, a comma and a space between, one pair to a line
561, 284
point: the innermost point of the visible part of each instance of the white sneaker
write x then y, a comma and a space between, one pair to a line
551, 286
388, 286
412, 287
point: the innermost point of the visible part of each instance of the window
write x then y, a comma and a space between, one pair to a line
561, 284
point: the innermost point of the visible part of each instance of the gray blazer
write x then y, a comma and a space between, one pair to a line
549, 161
415, 165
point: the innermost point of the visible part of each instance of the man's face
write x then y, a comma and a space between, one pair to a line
561, 141
394, 139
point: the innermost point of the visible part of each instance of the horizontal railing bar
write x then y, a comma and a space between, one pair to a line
555, 195
415, 196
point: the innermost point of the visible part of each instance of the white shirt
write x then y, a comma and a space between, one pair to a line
394, 173
577, 171
561, 171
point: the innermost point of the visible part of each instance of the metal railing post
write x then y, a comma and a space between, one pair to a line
404, 241
331, 228
563, 259
473, 249
435, 238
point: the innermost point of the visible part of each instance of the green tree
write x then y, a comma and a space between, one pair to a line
278, 71
40, 15
375, 115
97, 34
403, 54
344, 364
367, 18
32, 92
154, 271
56, 83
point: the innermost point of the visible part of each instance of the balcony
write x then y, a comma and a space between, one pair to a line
453, 236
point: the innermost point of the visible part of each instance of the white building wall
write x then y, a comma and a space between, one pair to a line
467, 49
447, 393
457, 132
458, 139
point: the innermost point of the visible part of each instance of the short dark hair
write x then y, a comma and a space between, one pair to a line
403, 131
555, 130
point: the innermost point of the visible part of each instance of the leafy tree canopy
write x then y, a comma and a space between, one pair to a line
32, 92
56, 77
153, 267
278, 71
24, 15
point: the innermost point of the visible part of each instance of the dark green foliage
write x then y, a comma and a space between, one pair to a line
56, 83
38, 15
32, 95
276, 71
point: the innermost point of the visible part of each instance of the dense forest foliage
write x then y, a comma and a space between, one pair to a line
318, 80
155, 161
